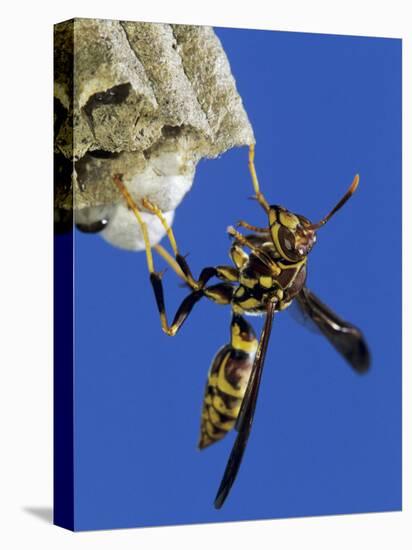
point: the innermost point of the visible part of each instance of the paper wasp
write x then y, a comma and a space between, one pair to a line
261, 282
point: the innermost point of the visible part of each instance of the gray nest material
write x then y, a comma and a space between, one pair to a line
144, 100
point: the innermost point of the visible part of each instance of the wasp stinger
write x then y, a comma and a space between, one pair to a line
268, 273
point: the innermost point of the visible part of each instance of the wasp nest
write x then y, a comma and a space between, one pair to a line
143, 100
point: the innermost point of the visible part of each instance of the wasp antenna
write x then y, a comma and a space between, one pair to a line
342, 201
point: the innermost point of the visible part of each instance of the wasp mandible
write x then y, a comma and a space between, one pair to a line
267, 275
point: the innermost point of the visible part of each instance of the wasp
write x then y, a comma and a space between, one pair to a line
267, 274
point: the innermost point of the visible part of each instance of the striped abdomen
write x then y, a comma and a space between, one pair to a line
227, 381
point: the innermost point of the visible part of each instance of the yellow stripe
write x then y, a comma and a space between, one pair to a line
265, 281
238, 342
296, 265
248, 282
228, 273
238, 256
215, 420
236, 308
288, 219
250, 303
223, 384
272, 216
240, 292
212, 380
209, 429
216, 296
220, 406
274, 230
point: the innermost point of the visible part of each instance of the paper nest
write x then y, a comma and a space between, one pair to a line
144, 100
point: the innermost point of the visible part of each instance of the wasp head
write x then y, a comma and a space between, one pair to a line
291, 233
294, 235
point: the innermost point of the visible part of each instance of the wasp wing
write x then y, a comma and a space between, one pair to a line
296, 311
246, 413
347, 339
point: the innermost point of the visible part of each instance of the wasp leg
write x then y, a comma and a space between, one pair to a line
215, 293
238, 256
221, 294
247, 225
183, 311
206, 274
170, 260
258, 194
150, 264
159, 214
227, 381
258, 252
225, 273
132, 205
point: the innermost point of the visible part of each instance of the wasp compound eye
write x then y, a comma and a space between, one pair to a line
286, 240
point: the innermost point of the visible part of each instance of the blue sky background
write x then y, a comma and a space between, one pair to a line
325, 441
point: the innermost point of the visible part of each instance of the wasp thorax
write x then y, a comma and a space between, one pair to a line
291, 233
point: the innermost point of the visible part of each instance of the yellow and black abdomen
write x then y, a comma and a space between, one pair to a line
227, 382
